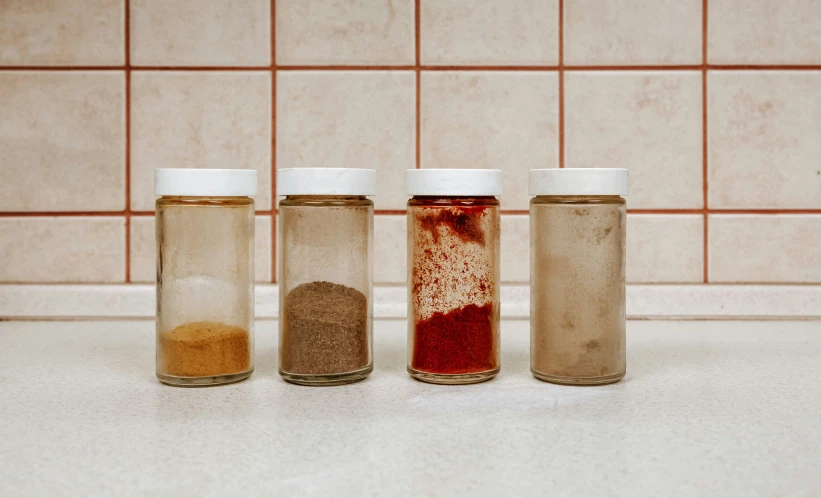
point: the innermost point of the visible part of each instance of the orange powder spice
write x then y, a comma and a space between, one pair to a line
205, 349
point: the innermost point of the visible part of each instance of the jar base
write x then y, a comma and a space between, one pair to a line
213, 380
327, 380
453, 379
579, 381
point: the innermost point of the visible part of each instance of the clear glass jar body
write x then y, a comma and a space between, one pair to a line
453, 289
577, 289
205, 289
326, 289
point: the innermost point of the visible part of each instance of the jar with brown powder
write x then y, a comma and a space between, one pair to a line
577, 275
205, 268
326, 275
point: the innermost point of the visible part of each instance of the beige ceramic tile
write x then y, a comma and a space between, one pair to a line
390, 262
764, 148
64, 249
665, 248
143, 254
765, 248
355, 119
62, 33
648, 122
516, 32
201, 32
333, 32
764, 32
632, 32
505, 120
62, 141
515, 248
144, 249
199, 120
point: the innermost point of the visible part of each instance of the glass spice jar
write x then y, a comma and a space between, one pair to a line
326, 275
205, 275
577, 284
453, 274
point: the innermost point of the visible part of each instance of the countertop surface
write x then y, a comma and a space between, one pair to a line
707, 408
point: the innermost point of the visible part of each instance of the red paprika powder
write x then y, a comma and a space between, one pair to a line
458, 342
453, 250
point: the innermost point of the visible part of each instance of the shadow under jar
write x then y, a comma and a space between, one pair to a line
453, 280
326, 275
577, 275
205, 275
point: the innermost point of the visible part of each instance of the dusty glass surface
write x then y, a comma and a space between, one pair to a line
326, 289
205, 289
577, 289
453, 289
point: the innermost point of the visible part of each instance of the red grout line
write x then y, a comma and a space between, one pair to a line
59, 214
201, 68
489, 68
62, 68
693, 67
561, 84
417, 59
665, 211
98, 214
338, 67
680, 67
704, 142
127, 6
764, 67
763, 211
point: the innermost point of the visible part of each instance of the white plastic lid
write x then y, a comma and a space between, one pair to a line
326, 181
206, 182
450, 182
579, 181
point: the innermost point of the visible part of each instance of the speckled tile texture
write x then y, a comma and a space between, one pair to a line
706, 409
713, 106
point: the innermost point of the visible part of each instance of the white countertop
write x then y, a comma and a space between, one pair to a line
719, 408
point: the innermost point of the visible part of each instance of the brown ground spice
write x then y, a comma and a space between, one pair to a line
205, 349
324, 330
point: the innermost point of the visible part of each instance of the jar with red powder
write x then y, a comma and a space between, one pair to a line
453, 281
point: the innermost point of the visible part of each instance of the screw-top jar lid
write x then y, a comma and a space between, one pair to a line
453, 182
326, 181
205, 182
579, 181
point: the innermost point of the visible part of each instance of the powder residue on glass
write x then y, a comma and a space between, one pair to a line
324, 330
453, 282
204, 349
578, 276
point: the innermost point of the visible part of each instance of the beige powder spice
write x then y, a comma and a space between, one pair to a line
578, 296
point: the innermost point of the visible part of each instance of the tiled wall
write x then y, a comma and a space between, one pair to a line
714, 105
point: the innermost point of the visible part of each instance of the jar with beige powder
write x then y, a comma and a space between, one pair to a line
577, 275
